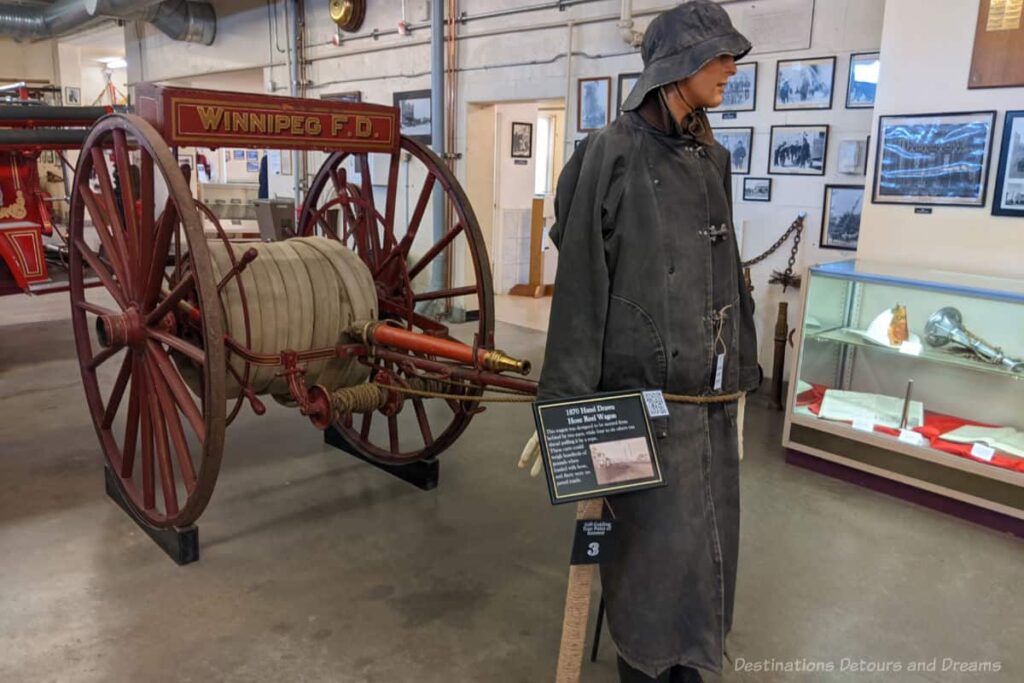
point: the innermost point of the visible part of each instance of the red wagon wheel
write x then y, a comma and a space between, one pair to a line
402, 261
136, 333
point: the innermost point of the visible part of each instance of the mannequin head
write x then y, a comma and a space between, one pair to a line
702, 90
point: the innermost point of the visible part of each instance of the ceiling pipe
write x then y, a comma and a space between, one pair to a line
182, 20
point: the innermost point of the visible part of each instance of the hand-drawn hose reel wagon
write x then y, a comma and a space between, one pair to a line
189, 324
28, 130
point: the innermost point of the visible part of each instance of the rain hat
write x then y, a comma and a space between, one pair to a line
679, 42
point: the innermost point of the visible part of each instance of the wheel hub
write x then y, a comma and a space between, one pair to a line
123, 329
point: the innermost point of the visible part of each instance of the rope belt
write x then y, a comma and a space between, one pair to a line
672, 398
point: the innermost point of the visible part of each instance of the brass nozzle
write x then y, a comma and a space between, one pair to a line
499, 361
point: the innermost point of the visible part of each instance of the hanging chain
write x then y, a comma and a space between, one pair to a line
796, 227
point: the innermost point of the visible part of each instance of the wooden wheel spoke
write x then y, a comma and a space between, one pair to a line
393, 433
148, 203
192, 352
175, 429
101, 272
433, 252
446, 293
103, 231
166, 229
131, 429
421, 419
127, 190
117, 393
148, 486
179, 292
162, 448
99, 164
339, 179
102, 357
178, 389
364, 430
95, 309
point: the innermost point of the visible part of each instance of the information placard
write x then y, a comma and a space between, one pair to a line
597, 446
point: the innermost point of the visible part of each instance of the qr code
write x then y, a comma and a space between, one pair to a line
655, 402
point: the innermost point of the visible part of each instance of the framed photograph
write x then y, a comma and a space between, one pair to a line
522, 140
863, 80
757, 189
933, 159
350, 96
840, 216
737, 141
1009, 198
414, 114
853, 157
593, 102
804, 83
798, 150
626, 83
72, 95
740, 90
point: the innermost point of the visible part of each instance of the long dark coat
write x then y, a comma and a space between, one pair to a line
648, 292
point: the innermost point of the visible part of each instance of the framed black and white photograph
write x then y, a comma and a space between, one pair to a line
740, 91
798, 150
804, 83
72, 95
840, 216
862, 82
1009, 199
414, 114
737, 141
522, 140
757, 189
626, 83
933, 158
593, 102
349, 96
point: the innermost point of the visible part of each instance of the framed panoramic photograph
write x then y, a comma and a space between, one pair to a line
348, 96
593, 102
740, 91
933, 158
522, 140
840, 216
798, 150
1009, 199
757, 189
862, 82
804, 83
737, 141
626, 83
414, 114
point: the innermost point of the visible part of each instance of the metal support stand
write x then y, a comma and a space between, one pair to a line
181, 545
423, 475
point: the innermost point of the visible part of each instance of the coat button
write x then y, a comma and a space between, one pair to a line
671, 270
675, 353
657, 182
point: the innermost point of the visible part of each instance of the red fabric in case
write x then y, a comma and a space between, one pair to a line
935, 424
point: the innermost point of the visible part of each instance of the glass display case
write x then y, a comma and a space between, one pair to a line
916, 376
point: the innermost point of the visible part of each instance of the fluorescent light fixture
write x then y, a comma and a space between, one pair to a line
114, 62
867, 73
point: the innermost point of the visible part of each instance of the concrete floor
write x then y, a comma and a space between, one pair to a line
316, 567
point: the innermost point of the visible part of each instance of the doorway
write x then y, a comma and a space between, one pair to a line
514, 155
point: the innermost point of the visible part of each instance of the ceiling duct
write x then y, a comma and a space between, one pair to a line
185, 20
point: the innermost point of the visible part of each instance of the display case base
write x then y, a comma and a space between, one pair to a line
423, 475
181, 545
934, 501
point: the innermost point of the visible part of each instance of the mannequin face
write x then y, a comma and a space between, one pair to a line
707, 87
